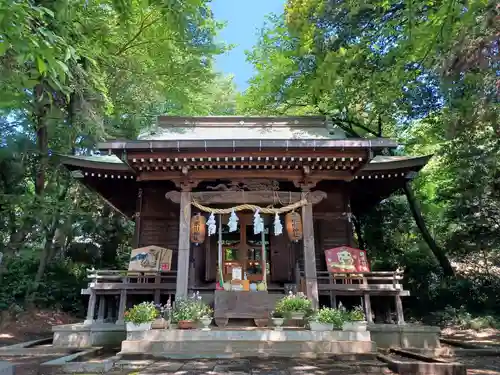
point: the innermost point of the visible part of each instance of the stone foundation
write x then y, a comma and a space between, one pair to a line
405, 336
85, 336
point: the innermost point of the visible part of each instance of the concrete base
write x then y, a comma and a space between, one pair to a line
88, 335
77, 363
404, 335
190, 344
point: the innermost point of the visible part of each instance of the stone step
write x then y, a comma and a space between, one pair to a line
255, 366
242, 349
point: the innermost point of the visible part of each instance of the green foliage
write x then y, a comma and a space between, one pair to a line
356, 314
145, 312
462, 319
329, 316
61, 284
293, 303
191, 308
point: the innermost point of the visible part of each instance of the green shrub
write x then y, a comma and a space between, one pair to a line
329, 315
192, 308
293, 303
144, 312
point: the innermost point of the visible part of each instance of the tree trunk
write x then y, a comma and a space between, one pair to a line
359, 233
441, 257
47, 251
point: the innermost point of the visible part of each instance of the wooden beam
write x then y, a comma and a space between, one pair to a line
234, 174
251, 197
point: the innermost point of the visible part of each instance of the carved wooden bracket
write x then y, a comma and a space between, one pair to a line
187, 183
251, 197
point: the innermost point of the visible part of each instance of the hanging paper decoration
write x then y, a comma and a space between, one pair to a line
212, 228
293, 223
278, 227
258, 223
233, 222
198, 230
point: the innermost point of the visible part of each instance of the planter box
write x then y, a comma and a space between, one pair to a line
354, 326
317, 326
297, 315
131, 327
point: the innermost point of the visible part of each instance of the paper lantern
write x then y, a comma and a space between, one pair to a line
293, 223
198, 229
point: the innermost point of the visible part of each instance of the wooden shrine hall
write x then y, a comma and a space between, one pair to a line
248, 208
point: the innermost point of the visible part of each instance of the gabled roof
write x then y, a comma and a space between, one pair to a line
240, 127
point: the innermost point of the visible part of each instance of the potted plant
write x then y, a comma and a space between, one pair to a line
355, 320
277, 318
294, 306
140, 317
206, 318
163, 319
188, 311
325, 319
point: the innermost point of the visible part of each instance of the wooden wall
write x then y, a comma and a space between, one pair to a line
159, 225
159, 222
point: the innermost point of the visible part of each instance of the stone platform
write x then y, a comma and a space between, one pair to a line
110, 334
246, 343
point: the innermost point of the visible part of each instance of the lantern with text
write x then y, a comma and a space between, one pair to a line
198, 229
293, 223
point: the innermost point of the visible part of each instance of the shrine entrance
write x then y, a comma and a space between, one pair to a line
245, 255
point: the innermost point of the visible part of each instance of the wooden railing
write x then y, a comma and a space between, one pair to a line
359, 283
102, 280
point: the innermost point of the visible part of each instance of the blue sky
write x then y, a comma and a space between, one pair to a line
244, 19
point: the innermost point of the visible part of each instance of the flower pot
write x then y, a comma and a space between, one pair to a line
206, 323
357, 326
297, 315
186, 324
131, 327
159, 323
317, 326
278, 322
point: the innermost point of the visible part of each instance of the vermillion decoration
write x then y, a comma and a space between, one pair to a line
293, 223
198, 229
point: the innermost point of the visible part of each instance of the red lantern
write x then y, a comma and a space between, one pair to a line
198, 229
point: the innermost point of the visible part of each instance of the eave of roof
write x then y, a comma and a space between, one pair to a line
384, 163
105, 162
255, 144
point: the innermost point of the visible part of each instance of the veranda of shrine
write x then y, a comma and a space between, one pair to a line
196, 166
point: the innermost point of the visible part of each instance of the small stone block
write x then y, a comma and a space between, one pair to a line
6, 368
134, 364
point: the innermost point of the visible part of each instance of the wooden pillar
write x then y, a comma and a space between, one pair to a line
399, 310
368, 308
91, 307
181, 289
101, 309
309, 254
122, 306
138, 210
110, 312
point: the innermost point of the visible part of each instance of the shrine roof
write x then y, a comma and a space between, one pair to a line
240, 132
242, 127
112, 162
